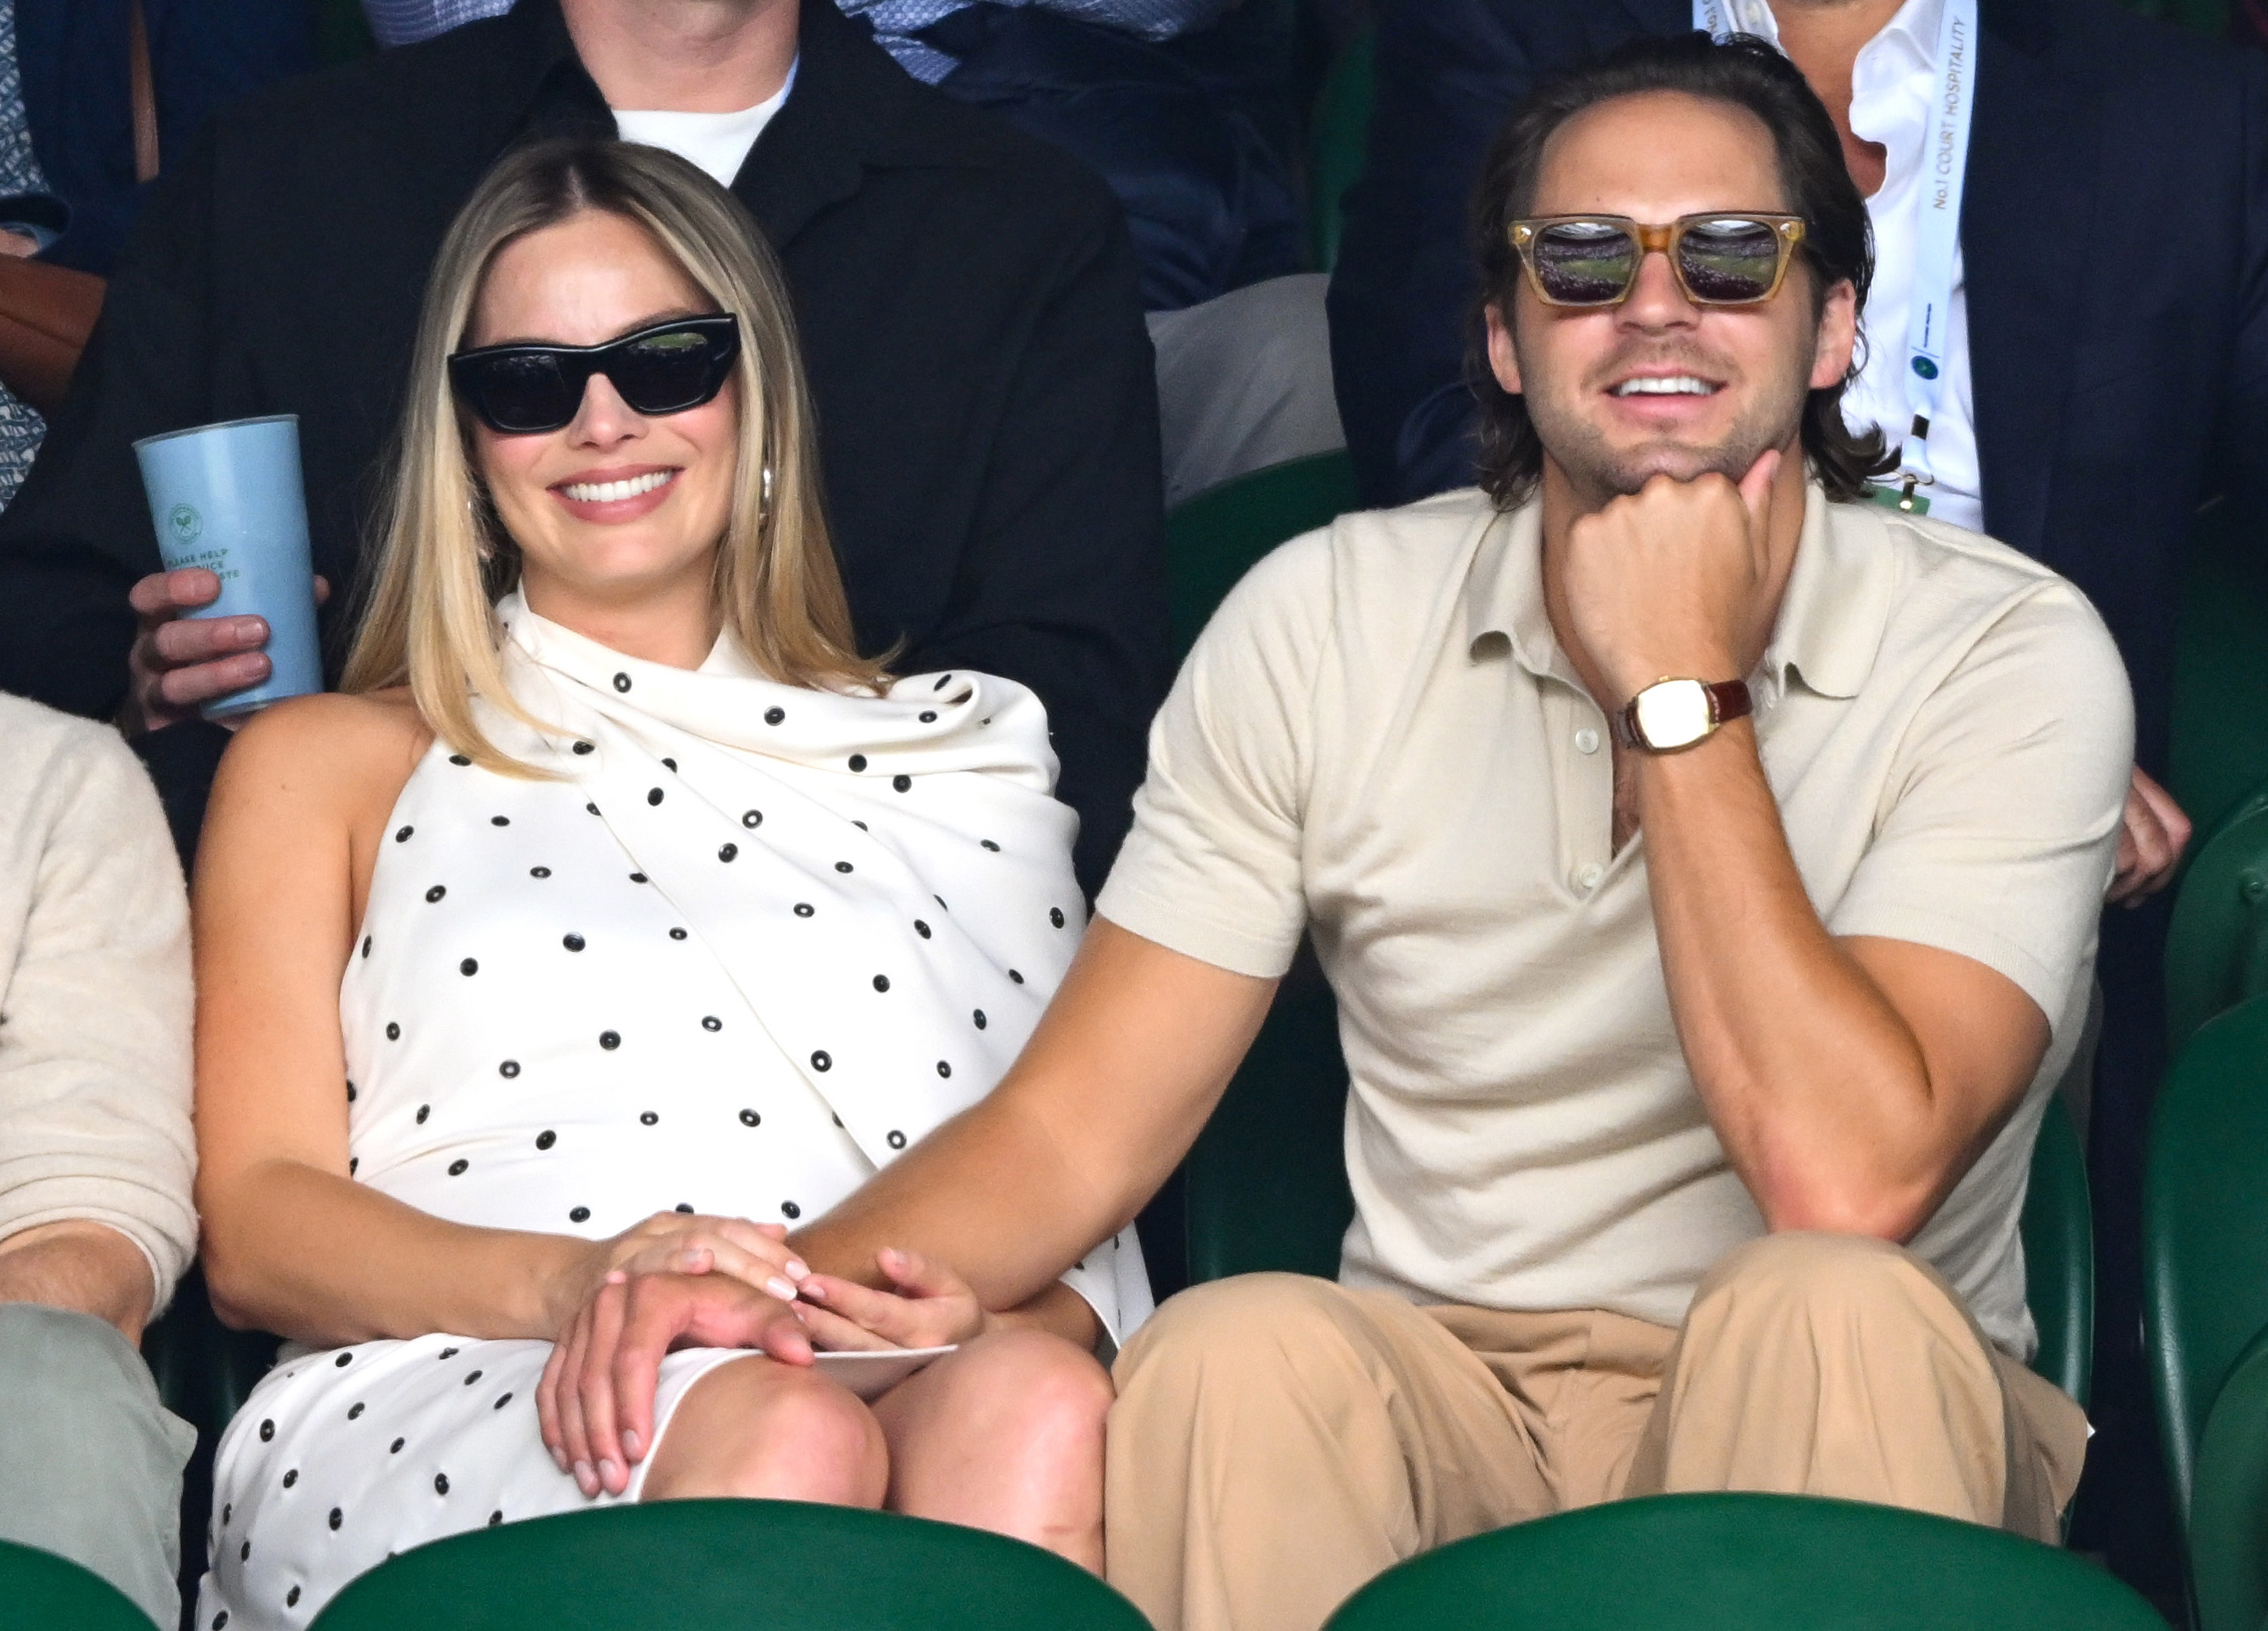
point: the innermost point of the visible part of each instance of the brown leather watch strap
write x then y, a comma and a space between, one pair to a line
1729, 700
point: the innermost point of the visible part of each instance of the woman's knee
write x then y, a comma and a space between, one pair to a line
1052, 1391
758, 1429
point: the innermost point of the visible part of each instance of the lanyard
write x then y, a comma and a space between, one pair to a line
1937, 211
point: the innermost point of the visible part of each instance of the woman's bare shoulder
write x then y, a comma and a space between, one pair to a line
341, 751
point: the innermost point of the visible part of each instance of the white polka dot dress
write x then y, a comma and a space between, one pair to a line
740, 947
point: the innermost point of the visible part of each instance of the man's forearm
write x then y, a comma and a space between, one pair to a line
82, 1265
1815, 1085
1107, 1097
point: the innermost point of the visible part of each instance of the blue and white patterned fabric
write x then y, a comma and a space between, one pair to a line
21, 427
406, 22
896, 22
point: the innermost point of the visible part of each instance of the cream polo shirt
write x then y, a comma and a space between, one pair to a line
1378, 738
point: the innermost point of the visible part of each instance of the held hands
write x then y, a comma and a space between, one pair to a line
675, 1281
179, 662
1669, 582
932, 1307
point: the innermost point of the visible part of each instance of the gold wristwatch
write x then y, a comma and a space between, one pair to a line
1670, 714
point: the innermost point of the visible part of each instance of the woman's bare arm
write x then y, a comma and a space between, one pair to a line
292, 1243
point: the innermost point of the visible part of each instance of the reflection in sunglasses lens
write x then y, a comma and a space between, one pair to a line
1584, 262
1729, 260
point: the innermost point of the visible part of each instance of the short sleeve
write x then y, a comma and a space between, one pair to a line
1212, 866
2000, 826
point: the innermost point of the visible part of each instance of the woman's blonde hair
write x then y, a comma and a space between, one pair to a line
443, 557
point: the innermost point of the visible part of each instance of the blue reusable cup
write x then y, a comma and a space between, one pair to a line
228, 497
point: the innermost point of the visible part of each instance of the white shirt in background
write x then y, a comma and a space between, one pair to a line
1892, 85
716, 143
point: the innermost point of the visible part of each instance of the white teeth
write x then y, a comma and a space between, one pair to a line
607, 492
1665, 384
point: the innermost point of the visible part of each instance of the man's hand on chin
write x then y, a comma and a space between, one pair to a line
1669, 581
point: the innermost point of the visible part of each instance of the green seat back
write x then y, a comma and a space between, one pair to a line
2219, 748
2059, 1227
1212, 539
1266, 1186
728, 1566
39, 1592
2205, 1225
2228, 1511
1338, 142
2217, 947
204, 1371
1745, 1562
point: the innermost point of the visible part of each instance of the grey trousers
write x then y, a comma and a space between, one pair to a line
90, 1462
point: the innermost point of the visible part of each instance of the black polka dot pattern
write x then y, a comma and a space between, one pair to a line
550, 955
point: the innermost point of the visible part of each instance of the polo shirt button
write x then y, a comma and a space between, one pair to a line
1587, 876
1586, 741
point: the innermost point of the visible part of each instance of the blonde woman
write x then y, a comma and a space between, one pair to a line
601, 932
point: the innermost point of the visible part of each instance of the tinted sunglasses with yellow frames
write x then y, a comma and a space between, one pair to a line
1720, 257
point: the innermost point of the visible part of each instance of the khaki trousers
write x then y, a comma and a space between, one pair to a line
1278, 1440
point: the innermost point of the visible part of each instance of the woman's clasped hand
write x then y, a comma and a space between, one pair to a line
679, 1280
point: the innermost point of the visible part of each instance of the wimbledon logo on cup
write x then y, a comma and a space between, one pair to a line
185, 524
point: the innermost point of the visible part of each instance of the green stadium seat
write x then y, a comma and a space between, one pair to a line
204, 1371
39, 1592
728, 1566
2205, 1227
1338, 143
1287, 1208
2228, 1511
2220, 667
1745, 1562
1213, 539
2217, 945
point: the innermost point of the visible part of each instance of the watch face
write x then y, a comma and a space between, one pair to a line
1674, 714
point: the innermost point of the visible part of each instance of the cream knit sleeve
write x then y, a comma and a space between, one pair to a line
95, 995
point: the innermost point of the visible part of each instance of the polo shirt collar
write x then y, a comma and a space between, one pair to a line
1504, 595
1830, 620
1837, 601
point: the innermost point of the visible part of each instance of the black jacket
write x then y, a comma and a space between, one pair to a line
79, 105
2114, 230
966, 297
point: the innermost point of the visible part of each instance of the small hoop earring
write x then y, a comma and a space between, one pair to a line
766, 500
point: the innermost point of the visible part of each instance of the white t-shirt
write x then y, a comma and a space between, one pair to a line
1892, 85
716, 143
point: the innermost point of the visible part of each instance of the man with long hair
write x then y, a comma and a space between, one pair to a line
1705, 861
